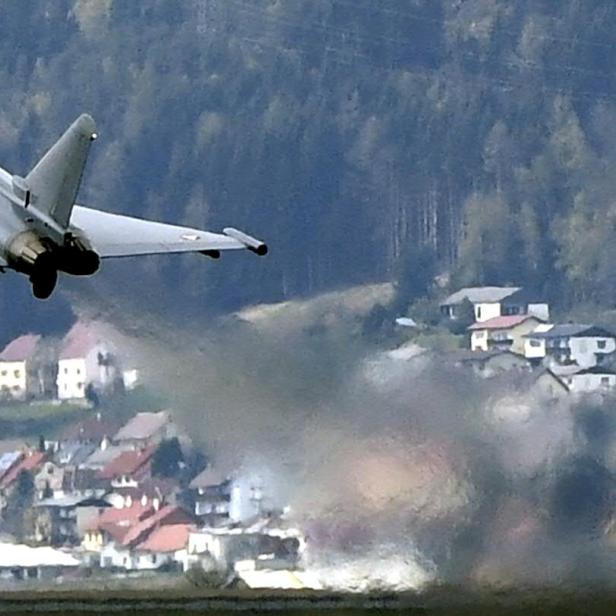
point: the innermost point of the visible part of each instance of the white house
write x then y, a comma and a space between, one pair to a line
491, 302
86, 358
570, 343
592, 380
18, 377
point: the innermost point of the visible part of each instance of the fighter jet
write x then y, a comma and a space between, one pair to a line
43, 231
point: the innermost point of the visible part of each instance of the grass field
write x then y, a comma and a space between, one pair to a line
30, 420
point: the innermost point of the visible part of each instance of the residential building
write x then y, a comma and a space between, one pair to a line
112, 525
487, 363
486, 301
541, 383
87, 360
145, 429
265, 535
595, 379
491, 302
73, 454
155, 491
19, 372
49, 480
22, 562
210, 494
122, 550
524, 301
92, 429
504, 333
130, 467
570, 343
104, 454
65, 520
165, 546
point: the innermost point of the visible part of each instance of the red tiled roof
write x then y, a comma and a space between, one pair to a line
129, 463
168, 538
116, 531
123, 515
504, 322
169, 514
29, 462
117, 522
81, 338
21, 348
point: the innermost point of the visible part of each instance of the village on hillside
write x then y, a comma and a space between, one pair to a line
116, 496
129, 496
508, 333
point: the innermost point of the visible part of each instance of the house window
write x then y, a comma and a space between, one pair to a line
78, 371
153, 557
80, 385
535, 343
478, 311
605, 381
4, 373
65, 370
601, 344
16, 373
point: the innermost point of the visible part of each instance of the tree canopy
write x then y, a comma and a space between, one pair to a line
347, 134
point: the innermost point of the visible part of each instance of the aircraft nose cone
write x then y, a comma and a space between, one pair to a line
86, 126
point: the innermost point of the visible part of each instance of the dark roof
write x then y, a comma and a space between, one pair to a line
571, 330
467, 356
74, 453
21, 348
208, 478
524, 297
595, 370
523, 380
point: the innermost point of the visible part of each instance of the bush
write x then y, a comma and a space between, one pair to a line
202, 578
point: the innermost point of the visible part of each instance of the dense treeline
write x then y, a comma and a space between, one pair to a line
354, 135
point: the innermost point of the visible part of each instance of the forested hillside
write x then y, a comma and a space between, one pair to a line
356, 136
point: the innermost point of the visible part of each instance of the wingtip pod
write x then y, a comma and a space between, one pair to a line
86, 126
253, 244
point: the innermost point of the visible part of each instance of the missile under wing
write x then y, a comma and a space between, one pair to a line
43, 231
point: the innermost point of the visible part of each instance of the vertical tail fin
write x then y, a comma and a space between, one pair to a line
55, 180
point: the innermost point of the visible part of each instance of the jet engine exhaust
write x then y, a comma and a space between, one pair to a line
41, 261
77, 258
30, 254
